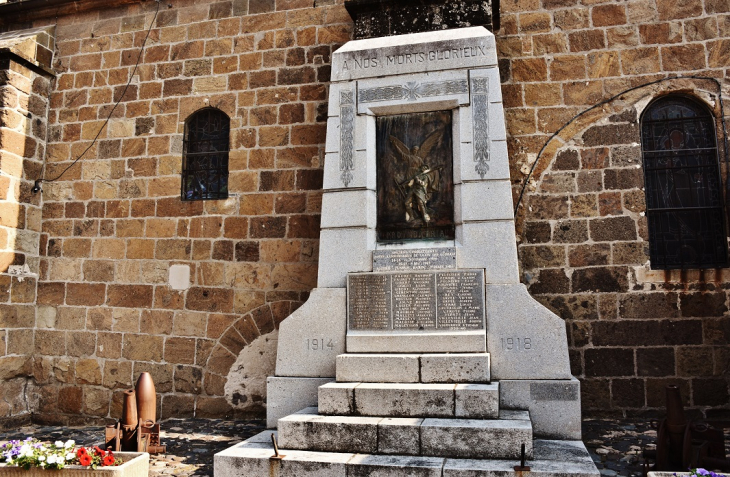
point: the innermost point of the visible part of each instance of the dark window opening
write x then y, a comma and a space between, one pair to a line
205, 156
684, 203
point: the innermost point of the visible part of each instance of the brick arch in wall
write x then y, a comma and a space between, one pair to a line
584, 254
242, 332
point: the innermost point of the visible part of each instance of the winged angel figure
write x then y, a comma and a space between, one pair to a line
421, 179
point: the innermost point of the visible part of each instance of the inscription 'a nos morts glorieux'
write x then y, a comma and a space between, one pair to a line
442, 300
415, 186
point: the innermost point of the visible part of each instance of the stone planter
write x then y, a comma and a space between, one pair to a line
136, 464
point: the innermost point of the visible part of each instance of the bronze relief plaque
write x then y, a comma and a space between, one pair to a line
415, 185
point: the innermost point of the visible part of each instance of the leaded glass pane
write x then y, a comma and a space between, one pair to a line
683, 186
205, 156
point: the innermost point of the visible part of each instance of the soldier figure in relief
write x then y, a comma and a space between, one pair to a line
421, 180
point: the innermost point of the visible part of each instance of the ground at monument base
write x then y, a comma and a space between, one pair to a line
614, 444
253, 458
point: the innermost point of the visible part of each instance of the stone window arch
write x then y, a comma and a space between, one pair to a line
205, 155
684, 203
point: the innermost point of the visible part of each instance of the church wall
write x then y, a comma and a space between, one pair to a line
584, 239
114, 226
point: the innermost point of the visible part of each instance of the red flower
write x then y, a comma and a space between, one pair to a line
85, 459
108, 460
81, 451
99, 451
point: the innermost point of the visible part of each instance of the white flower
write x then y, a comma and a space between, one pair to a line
58, 443
69, 443
70, 456
51, 459
25, 448
41, 458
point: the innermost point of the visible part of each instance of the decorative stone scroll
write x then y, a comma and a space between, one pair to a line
430, 300
412, 91
347, 134
479, 92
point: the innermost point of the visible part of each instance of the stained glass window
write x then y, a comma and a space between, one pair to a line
684, 203
205, 155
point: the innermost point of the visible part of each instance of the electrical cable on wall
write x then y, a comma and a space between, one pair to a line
606, 101
36, 186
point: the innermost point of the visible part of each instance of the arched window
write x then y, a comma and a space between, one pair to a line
205, 155
684, 204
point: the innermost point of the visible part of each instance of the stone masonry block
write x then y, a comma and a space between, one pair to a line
374, 368
399, 436
455, 368
405, 400
329, 433
337, 398
474, 438
477, 401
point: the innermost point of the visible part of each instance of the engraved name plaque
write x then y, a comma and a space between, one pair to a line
414, 259
430, 300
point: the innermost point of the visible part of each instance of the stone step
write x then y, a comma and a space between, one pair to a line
467, 438
252, 459
478, 401
413, 368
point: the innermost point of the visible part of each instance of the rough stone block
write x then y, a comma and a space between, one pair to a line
554, 406
498, 194
348, 209
399, 435
393, 466
444, 342
252, 458
489, 245
329, 433
287, 395
430, 44
515, 355
550, 459
375, 368
405, 400
321, 318
473, 438
455, 368
477, 401
348, 250
337, 398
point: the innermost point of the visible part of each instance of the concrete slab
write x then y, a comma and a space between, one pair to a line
477, 401
554, 405
286, 395
399, 435
373, 368
337, 398
476, 438
405, 400
455, 368
329, 433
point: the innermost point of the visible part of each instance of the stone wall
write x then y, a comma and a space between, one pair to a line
25, 83
584, 248
114, 224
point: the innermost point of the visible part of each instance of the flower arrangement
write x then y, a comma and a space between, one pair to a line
703, 472
33, 453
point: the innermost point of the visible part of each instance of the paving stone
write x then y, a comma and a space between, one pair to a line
455, 368
477, 401
475, 438
405, 400
329, 433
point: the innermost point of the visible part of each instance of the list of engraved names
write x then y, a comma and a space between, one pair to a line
443, 300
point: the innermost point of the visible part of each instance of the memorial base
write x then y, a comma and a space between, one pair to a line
453, 342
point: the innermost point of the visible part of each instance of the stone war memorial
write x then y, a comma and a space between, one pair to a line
419, 352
